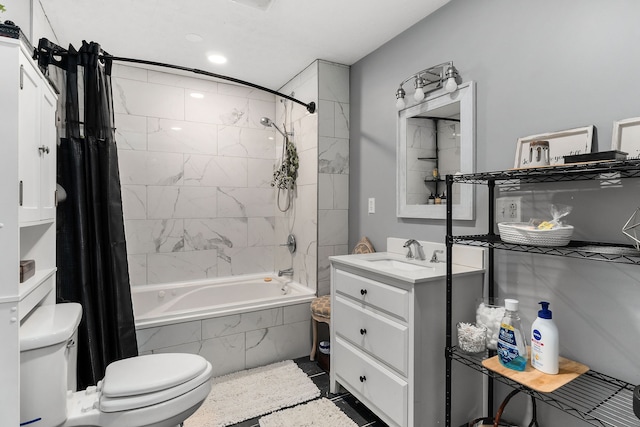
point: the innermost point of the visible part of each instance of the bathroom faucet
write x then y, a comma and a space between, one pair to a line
418, 254
434, 257
291, 243
285, 272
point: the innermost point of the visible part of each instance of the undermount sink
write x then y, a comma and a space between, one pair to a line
397, 264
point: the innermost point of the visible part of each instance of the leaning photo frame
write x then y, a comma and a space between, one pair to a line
626, 137
562, 143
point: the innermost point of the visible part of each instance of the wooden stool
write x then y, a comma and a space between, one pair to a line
320, 312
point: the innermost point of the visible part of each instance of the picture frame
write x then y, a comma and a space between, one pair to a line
626, 137
562, 143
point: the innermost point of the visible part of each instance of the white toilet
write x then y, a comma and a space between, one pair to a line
159, 390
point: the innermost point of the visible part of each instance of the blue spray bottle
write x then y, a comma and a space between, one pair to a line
512, 348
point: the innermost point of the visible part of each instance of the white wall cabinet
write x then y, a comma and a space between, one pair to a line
28, 208
385, 340
37, 154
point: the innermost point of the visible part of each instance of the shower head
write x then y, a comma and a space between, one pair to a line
266, 121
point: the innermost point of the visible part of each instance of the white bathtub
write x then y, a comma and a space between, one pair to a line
158, 305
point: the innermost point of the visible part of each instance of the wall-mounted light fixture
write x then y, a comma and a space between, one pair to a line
432, 78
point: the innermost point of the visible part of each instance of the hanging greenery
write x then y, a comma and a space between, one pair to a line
285, 176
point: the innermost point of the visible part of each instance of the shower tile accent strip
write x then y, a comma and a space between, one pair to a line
235, 342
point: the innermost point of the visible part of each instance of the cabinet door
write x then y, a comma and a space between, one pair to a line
29, 137
382, 391
48, 143
381, 337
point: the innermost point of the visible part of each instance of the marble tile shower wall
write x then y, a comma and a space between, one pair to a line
195, 175
319, 219
333, 167
302, 219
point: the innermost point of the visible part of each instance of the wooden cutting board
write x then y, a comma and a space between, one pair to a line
536, 380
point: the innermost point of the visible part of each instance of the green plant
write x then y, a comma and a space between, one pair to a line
2, 8
285, 176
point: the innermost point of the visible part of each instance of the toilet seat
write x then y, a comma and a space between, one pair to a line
84, 409
144, 381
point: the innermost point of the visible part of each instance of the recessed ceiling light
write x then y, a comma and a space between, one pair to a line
197, 95
217, 58
176, 128
193, 37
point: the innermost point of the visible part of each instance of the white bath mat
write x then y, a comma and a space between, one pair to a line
247, 394
318, 413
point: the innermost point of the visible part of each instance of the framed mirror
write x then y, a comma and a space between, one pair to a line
436, 137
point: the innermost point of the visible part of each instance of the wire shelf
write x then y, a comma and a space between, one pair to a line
608, 170
598, 399
595, 398
597, 251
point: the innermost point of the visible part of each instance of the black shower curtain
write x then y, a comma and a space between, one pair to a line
92, 256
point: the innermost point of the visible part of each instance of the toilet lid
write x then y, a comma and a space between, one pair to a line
129, 403
150, 373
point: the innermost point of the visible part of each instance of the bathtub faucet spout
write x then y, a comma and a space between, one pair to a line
285, 272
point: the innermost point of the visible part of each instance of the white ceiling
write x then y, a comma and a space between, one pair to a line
266, 47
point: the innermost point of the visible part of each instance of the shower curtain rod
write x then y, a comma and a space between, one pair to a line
311, 107
47, 50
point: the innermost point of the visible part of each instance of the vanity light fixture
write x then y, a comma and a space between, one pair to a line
439, 76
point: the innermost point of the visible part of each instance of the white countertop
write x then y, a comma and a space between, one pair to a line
424, 271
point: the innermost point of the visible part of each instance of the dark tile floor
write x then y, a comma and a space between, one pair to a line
345, 401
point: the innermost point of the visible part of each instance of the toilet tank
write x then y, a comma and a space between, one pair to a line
46, 355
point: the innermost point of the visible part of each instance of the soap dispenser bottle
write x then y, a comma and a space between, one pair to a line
544, 342
512, 348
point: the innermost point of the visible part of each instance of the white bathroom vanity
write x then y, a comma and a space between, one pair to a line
388, 329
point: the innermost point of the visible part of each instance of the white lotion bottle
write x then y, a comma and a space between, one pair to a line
544, 342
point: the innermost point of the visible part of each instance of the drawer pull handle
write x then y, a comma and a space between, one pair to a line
363, 291
362, 378
363, 331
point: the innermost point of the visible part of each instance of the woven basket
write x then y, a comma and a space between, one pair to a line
523, 234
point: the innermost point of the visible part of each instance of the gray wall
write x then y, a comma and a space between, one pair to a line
540, 66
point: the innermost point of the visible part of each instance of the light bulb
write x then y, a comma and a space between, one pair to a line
400, 93
418, 95
451, 85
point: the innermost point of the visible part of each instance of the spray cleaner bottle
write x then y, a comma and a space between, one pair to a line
512, 348
544, 342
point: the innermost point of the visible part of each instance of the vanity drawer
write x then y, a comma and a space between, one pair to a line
380, 389
380, 336
388, 298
